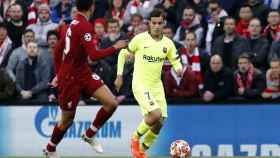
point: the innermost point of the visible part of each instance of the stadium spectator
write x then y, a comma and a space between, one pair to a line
190, 22
43, 25
272, 30
171, 10
32, 75
6, 4
33, 11
195, 58
143, 7
136, 20
259, 46
274, 51
185, 86
62, 12
114, 34
259, 9
62, 28
5, 45
142, 27
116, 11
16, 25
19, 53
212, 30
7, 86
168, 31
245, 15
249, 81
220, 81
232, 6
100, 8
52, 38
272, 90
230, 45
100, 30
215, 6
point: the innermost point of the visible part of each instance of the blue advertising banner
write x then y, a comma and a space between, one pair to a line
211, 130
219, 130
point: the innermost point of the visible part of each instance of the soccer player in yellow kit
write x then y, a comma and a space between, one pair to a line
150, 49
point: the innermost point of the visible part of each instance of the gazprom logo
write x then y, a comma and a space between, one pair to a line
48, 116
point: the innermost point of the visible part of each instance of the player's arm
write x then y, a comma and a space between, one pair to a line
174, 59
58, 54
93, 53
124, 53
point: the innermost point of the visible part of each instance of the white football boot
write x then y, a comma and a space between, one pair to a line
50, 154
95, 145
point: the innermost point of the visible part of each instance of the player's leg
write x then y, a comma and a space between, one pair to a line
109, 105
152, 114
68, 100
60, 129
152, 135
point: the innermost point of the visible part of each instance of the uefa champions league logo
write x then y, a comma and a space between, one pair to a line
47, 115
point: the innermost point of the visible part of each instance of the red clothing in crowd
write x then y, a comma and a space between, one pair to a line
186, 86
242, 28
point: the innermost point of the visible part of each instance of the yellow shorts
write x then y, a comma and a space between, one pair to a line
151, 99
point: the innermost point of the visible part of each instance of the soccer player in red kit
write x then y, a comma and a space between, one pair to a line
75, 77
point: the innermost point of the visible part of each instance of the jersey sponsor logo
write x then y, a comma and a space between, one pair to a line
88, 37
153, 59
48, 116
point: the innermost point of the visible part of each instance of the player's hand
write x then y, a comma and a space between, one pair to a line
118, 82
180, 73
26, 94
241, 91
208, 96
121, 44
130, 57
54, 82
52, 98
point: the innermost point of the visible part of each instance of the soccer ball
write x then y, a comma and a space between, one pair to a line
180, 149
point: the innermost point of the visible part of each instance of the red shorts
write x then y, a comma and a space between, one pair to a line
70, 89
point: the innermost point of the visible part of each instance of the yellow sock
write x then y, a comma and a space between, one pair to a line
141, 129
149, 139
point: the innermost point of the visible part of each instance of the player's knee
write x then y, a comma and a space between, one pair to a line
157, 115
111, 105
65, 124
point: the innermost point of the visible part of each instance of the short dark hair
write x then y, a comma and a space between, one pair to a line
190, 8
245, 56
27, 31
3, 25
52, 33
214, 2
246, 6
229, 18
273, 11
191, 32
112, 21
274, 59
137, 15
168, 26
84, 5
157, 13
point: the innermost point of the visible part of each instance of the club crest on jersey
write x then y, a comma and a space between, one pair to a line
87, 37
95, 77
164, 50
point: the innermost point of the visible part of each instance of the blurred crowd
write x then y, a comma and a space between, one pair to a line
228, 48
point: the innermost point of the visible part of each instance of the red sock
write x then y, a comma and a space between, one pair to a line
55, 139
101, 117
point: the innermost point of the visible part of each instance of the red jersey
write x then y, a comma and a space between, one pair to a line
73, 50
